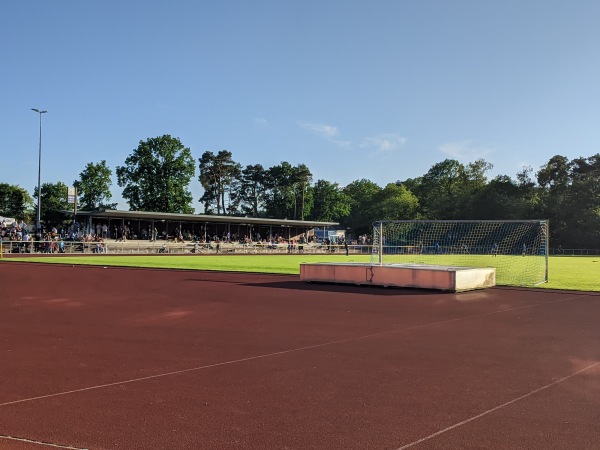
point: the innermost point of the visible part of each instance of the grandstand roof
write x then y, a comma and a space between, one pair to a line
201, 218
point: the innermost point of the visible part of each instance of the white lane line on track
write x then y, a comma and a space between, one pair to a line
496, 408
282, 352
47, 444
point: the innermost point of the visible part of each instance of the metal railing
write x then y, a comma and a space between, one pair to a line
574, 252
133, 247
140, 247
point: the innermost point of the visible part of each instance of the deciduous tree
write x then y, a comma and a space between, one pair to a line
395, 202
362, 214
331, 204
54, 202
156, 175
440, 188
93, 187
15, 202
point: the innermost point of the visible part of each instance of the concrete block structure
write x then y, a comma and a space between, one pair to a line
444, 278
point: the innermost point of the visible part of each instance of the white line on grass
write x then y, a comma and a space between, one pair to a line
489, 411
282, 352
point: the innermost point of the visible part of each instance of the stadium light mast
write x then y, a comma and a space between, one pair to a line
39, 192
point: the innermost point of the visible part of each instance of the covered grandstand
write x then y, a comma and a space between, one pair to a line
200, 227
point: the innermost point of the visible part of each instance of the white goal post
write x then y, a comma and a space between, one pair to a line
518, 249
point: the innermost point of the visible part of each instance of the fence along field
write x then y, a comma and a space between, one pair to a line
171, 247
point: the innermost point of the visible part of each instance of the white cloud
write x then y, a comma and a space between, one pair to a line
384, 143
327, 131
341, 143
465, 150
261, 121
380, 143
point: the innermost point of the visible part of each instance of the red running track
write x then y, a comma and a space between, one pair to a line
156, 359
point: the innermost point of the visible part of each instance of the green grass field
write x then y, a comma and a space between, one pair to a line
580, 273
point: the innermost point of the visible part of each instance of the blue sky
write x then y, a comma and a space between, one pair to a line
379, 90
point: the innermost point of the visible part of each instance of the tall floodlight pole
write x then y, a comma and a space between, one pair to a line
39, 191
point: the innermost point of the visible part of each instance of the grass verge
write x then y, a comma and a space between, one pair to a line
579, 273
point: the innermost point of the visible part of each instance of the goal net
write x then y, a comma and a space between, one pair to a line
517, 249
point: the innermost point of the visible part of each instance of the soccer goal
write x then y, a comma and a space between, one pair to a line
517, 249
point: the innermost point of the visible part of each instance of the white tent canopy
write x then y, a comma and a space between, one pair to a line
8, 221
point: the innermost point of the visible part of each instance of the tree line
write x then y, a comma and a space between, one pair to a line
156, 177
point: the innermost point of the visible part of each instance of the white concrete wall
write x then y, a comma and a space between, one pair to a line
414, 276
